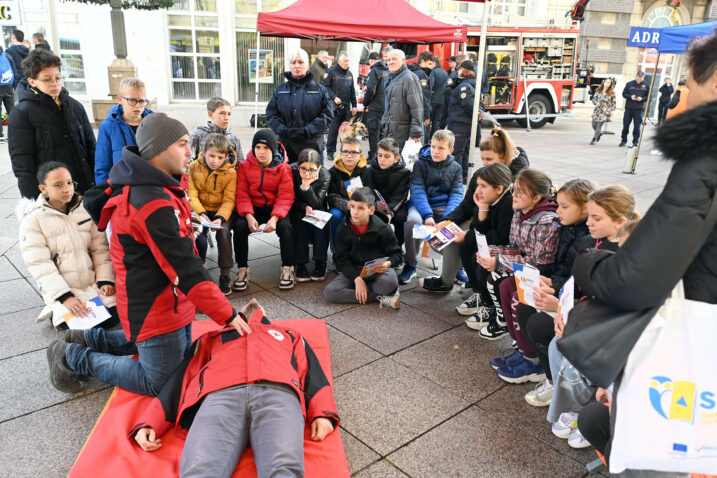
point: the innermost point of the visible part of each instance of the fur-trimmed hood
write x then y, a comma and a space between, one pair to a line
690, 135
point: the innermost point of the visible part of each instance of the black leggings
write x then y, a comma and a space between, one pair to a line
283, 229
594, 424
477, 275
537, 328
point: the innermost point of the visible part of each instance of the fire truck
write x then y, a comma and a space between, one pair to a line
537, 62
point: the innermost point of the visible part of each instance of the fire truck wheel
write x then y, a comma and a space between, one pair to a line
539, 107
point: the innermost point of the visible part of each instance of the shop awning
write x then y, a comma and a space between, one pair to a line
676, 39
367, 20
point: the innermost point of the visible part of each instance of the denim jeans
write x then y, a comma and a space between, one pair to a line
103, 358
306, 233
337, 215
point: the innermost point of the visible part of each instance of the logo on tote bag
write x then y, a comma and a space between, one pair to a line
678, 400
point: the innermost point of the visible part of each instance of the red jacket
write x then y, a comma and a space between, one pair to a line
272, 186
223, 358
159, 275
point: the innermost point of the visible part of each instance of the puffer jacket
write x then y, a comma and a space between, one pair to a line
271, 186
65, 253
212, 190
114, 135
460, 105
375, 97
426, 87
533, 237
338, 196
496, 226
435, 184
314, 197
393, 183
662, 248
39, 132
568, 246
403, 110
199, 137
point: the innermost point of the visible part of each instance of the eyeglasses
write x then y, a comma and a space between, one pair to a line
61, 187
52, 81
308, 171
135, 101
353, 154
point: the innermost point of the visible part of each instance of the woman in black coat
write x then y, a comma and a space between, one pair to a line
48, 125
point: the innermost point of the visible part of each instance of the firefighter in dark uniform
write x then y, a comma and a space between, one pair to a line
374, 101
635, 94
439, 77
450, 83
460, 114
422, 69
339, 83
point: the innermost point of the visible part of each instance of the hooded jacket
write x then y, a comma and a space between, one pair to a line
375, 96
460, 106
65, 253
569, 244
271, 186
271, 354
662, 248
18, 54
393, 183
435, 184
199, 137
339, 83
338, 196
314, 197
114, 135
39, 132
212, 190
439, 78
403, 113
353, 251
299, 103
160, 278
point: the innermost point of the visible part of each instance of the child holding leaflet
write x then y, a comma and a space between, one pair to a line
391, 179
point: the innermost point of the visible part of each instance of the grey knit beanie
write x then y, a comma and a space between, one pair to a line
157, 132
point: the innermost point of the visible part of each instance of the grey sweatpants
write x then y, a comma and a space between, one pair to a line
414, 217
228, 419
452, 258
342, 290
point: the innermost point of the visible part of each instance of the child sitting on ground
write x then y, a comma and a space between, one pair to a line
219, 111
363, 237
436, 190
391, 178
63, 250
212, 193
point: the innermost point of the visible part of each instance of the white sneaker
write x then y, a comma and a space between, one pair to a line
479, 320
286, 280
565, 425
242, 280
541, 396
470, 305
393, 301
576, 439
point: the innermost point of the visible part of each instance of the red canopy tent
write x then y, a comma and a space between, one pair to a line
368, 20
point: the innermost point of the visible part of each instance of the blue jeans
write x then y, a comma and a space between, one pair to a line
336, 217
306, 233
103, 358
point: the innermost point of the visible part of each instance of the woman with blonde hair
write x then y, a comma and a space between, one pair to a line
605, 103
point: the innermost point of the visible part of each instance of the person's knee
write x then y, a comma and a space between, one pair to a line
241, 227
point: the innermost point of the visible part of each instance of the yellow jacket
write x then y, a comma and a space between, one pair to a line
212, 190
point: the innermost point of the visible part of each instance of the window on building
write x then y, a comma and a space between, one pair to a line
73, 66
194, 49
508, 7
271, 65
558, 8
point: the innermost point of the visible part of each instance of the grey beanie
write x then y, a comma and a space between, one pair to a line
157, 132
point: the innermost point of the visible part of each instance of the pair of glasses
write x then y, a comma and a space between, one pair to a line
308, 171
52, 81
60, 187
352, 154
135, 101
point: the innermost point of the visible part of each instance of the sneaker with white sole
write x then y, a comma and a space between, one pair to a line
392, 301
508, 357
542, 395
434, 284
493, 331
479, 320
286, 279
565, 425
521, 372
242, 280
461, 276
577, 440
406, 274
470, 305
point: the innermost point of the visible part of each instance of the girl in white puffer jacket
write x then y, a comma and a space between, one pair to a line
62, 248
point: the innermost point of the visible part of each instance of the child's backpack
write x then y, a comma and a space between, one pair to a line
7, 77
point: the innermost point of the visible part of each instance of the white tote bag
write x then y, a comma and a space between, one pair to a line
410, 153
667, 401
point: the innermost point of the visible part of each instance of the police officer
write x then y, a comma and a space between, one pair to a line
635, 94
460, 114
374, 101
339, 84
439, 77
451, 81
422, 69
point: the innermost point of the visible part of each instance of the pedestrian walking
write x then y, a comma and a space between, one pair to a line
604, 101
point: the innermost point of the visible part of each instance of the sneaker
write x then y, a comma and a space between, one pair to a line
470, 305
634, 145
73, 336
434, 284
461, 277
398, 267
242, 280
224, 284
319, 273
541, 396
467, 285
592, 142
302, 273
576, 439
565, 425
493, 331
508, 357
62, 377
392, 301
521, 372
286, 279
480, 319
406, 275
622, 143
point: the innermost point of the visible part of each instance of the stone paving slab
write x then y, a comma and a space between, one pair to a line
7, 270
442, 306
27, 335
381, 469
17, 295
310, 297
359, 455
348, 354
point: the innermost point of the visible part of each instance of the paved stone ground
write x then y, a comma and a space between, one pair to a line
414, 388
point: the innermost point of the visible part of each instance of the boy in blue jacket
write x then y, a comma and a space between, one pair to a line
436, 190
120, 127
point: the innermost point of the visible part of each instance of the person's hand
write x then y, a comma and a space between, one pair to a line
639, 98
382, 206
307, 181
252, 222
216, 222
271, 224
427, 122
558, 325
337, 100
603, 397
634, 98
381, 268
204, 218
353, 111
108, 290
320, 428
361, 290
546, 280
240, 326
460, 237
487, 263
74, 305
545, 300
309, 210
147, 439
430, 222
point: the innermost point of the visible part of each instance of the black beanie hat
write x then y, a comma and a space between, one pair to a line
264, 136
467, 65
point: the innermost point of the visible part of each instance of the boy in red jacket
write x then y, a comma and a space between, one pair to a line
264, 195
261, 388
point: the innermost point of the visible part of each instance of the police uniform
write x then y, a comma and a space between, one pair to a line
634, 109
450, 83
426, 88
339, 83
460, 116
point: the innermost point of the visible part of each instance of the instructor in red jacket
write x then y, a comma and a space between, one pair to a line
160, 278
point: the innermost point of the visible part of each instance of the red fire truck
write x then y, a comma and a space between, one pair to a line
538, 61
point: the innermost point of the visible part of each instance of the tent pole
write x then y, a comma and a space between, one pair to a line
479, 86
631, 161
256, 74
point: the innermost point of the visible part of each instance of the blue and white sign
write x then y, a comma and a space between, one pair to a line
644, 37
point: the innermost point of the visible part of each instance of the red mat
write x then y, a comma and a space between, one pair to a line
108, 451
